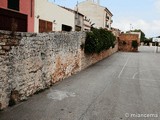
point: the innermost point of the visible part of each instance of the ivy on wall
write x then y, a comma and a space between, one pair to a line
134, 44
98, 40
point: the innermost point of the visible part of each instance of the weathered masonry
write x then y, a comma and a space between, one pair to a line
30, 62
126, 40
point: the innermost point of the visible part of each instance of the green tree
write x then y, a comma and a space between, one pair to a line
98, 40
134, 44
143, 37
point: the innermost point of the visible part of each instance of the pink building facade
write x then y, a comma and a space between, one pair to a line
24, 7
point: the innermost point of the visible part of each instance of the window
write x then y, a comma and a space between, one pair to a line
13, 4
45, 26
10, 20
66, 28
77, 28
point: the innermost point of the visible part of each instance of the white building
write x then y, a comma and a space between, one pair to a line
81, 21
116, 32
51, 17
155, 39
87, 24
100, 16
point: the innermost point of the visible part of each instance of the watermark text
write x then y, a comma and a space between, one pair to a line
137, 115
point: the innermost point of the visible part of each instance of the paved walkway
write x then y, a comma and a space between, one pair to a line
125, 86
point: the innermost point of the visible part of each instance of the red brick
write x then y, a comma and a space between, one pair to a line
125, 42
2, 52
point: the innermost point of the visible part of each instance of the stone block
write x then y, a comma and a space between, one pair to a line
3, 40
12, 42
2, 52
6, 48
2, 43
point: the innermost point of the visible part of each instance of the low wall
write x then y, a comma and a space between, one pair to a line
125, 42
31, 62
87, 60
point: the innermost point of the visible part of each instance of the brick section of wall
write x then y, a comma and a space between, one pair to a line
88, 60
125, 42
31, 62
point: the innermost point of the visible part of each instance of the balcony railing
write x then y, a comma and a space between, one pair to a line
107, 26
107, 17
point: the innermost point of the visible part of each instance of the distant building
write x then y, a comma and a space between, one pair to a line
17, 15
51, 17
40, 16
126, 40
81, 22
156, 39
79, 19
115, 31
87, 24
100, 16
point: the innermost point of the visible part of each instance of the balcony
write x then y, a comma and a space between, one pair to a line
107, 17
107, 26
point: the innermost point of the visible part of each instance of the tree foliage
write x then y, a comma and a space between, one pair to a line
98, 40
143, 37
134, 44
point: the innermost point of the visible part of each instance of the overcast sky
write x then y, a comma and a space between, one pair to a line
135, 14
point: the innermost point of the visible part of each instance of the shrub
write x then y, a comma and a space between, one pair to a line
98, 40
134, 44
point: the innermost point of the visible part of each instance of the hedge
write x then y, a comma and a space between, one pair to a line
98, 40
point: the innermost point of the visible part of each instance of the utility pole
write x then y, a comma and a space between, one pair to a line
77, 11
130, 27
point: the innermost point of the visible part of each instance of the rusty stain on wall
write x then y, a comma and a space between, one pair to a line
34, 61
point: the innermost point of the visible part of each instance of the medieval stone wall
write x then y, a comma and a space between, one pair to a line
31, 62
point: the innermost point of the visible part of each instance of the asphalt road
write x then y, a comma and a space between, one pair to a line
125, 86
